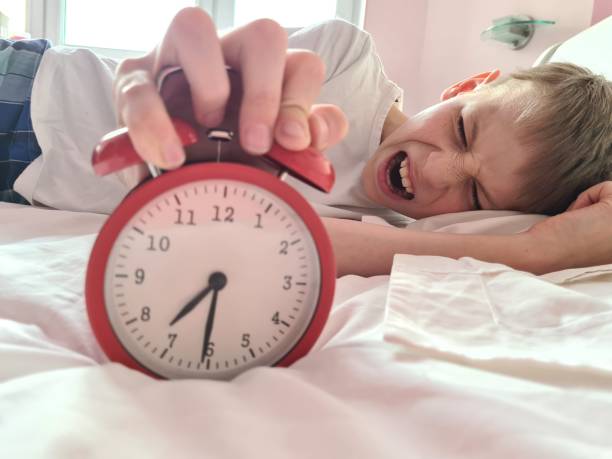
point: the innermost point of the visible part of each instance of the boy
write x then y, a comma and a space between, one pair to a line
466, 153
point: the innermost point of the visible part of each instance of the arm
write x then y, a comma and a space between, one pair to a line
581, 236
368, 249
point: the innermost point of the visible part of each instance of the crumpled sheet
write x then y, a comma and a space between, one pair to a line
442, 359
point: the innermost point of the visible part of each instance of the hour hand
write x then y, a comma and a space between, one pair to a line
191, 305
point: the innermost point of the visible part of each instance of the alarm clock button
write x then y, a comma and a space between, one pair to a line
116, 151
309, 165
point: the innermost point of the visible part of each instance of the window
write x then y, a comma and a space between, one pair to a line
12, 18
121, 28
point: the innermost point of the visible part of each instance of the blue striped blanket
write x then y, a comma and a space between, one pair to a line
19, 61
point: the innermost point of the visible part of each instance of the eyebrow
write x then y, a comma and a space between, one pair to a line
472, 141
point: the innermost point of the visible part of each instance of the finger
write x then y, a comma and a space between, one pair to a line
328, 126
142, 110
304, 74
590, 196
258, 50
191, 42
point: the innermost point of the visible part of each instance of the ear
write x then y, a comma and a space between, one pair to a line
469, 84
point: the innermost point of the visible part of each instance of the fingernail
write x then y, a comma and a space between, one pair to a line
173, 156
257, 138
293, 129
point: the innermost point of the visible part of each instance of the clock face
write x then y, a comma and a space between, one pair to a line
211, 277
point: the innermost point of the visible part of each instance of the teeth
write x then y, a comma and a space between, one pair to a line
404, 174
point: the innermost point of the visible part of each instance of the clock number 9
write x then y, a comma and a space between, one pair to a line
139, 275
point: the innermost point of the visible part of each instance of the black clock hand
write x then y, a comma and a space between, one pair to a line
209, 324
217, 281
192, 304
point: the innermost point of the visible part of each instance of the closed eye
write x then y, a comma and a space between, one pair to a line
475, 200
461, 131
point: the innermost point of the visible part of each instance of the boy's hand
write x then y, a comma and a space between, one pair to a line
280, 88
582, 235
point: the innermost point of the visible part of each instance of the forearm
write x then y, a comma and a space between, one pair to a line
367, 249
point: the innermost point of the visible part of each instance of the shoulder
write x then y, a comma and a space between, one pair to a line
339, 43
335, 33
82, 57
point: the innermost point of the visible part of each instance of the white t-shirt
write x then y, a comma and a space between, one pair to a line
72, 109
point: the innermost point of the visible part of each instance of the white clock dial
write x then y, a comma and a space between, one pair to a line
217, 241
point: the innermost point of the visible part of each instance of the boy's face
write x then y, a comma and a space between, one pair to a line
446, 171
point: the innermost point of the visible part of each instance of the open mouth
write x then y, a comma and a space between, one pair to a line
398, 178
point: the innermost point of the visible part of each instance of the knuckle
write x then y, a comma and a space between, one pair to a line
269, 31
135, 87
308, 64
191, 18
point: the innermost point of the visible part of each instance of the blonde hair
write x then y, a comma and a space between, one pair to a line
568, 123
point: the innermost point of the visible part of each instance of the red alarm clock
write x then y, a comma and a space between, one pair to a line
216, 267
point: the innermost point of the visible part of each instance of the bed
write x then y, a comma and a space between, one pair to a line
442, 358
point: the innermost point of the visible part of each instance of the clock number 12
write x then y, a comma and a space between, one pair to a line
229, 214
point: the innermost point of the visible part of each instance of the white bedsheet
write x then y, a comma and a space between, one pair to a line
442, 359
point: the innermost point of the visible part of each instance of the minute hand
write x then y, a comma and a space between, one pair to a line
209, 324
191, 305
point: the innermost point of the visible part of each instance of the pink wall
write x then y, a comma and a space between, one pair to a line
601, 10
398, 28
427, 45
